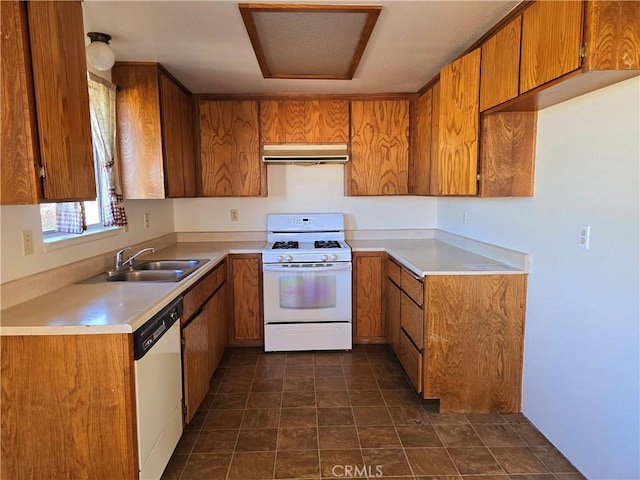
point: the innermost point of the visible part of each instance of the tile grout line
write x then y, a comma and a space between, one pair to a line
487, 446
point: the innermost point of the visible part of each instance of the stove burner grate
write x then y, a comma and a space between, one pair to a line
326, 244
290, 245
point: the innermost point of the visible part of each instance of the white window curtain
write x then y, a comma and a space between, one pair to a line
70, 217
102, 99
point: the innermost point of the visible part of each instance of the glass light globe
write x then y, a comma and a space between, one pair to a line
100, 56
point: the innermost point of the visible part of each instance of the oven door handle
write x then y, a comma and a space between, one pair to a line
289, 268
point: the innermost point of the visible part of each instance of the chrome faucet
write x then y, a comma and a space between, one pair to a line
129, 261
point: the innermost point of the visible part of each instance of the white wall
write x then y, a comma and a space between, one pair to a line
317, 188
582, 355
14, 219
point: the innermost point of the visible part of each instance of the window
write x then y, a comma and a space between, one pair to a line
65, 220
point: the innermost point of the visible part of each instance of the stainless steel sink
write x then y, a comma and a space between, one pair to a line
158, 271
149, 276
170, 265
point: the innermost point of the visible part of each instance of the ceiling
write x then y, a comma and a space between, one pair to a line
205, 45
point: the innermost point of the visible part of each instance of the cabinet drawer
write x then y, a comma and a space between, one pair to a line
412, 285
411, 360
393, 271
192, 301
412, 320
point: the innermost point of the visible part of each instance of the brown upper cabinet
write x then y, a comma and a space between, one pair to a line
379, 148
551, 40
455, 168
567, 49
229, 163
155, 128
305, 121
425, 141
501, 65
45, 104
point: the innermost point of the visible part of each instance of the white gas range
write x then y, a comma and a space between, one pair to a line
307, 283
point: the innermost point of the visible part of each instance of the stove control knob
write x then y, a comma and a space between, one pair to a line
334, 257
325, 258
289, 258
280, 258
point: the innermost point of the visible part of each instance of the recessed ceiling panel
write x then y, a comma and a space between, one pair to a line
309, 41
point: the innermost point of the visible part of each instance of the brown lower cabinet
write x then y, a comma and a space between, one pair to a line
245, 274
204, 336
459, 338
368, 297
68, 407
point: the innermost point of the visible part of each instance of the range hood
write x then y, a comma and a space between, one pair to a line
305, 153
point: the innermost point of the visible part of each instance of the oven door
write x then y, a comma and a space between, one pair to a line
307, 292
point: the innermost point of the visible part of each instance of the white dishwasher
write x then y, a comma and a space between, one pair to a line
158, 380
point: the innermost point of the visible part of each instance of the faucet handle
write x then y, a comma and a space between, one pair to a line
119, 256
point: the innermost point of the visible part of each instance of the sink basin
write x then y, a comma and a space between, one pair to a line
159, 271
169, 265
149, 276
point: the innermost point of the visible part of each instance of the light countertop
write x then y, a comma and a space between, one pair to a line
122, 307
435, 257
113, 307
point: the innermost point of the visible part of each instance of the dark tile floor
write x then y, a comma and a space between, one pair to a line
347, 415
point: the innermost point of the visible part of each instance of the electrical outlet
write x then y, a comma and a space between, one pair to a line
146, 220
27, 242
235, 216
583, 238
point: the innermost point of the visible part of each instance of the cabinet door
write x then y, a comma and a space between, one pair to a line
222, 323
420, 162
246, 278
196, 363
501, 66
379, 148
551, 39
171, 108
19, 156
457, 160
62, 99
475, 328
368, 273
310, 121
139, 130
393, 314
612, 35
230, 164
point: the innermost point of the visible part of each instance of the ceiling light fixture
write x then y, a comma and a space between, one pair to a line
99, 54
309, 41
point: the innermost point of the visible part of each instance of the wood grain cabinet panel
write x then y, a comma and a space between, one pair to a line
612, 35
230, 164
45, 104
379, 148
412, 320
507, 156
551, 40
368, 300
246, 282
62, 99
420, 161
411, 360
304, 121
458, 130
500, 66
68, 407
196, 366
156, 138
475, 334
19, 155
